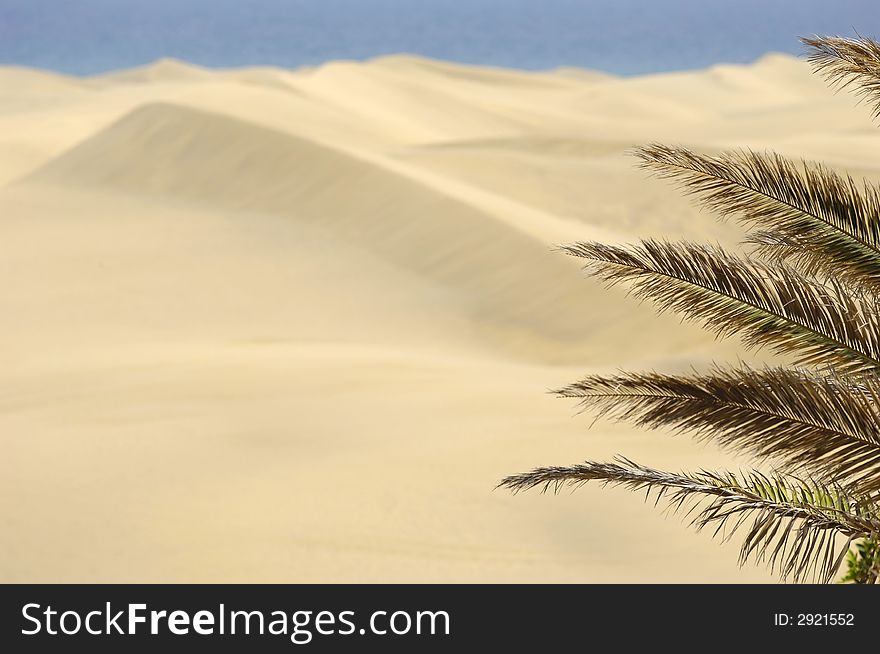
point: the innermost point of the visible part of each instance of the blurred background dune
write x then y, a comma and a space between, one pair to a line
276, 326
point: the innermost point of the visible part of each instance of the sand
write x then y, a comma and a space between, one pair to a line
284, 326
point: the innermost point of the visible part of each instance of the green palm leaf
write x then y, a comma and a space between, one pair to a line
848, 62
824, 222
771, 306
828, 426
802, 527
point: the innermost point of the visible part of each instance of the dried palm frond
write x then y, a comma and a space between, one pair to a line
819, 423
824, 222
771, 306
849, 62
790, 523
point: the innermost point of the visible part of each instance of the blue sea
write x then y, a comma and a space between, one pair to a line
620, 36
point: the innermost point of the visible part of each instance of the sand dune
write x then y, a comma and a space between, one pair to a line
30, 85
517, 295
270, 325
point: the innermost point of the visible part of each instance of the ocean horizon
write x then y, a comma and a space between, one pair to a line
623, 37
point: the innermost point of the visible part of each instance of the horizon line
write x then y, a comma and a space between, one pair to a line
390, 55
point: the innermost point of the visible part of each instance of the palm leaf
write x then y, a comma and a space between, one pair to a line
849, 62
822, 424
771, 306
813, 292
822, 221
790, 523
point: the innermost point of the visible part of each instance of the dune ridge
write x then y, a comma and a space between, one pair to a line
205, 159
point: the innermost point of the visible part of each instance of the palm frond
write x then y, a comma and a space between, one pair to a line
824, 222
771, 306
848, 62
828, 426
790, 523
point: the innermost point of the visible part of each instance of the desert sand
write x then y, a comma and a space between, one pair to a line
263, 325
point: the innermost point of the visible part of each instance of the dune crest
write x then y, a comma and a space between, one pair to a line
521, 297
167, 69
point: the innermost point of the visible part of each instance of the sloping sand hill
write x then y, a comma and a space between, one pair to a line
269, 325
